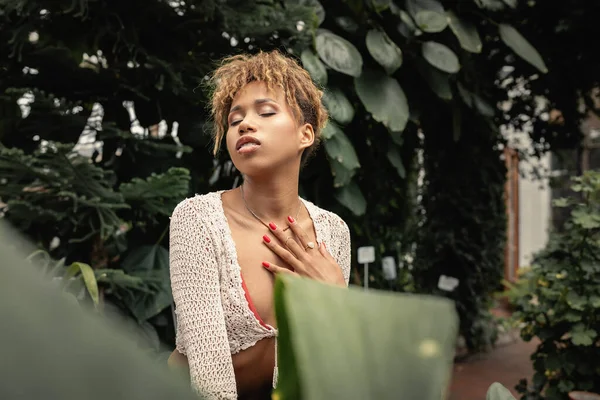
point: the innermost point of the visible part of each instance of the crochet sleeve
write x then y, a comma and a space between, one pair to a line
343, 252
201, 332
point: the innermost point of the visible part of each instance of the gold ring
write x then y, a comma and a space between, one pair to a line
309, 245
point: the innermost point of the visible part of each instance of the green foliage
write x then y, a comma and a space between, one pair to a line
558, 299
133, 83
353, 363
406, 352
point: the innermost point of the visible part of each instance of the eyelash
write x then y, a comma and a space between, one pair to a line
266, 115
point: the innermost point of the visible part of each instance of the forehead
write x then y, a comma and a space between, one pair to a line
257, 90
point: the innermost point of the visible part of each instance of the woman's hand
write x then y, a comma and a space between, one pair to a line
304, 258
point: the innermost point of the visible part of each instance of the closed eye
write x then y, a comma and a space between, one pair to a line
265, 115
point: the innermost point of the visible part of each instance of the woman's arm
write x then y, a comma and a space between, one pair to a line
201, 333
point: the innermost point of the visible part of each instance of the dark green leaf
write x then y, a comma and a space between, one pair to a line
314, 66
338, 53
513, 39
582, 336
440, 56
383, 97
340, 148
436, 80
396, 160
352, 198
429, 15
151, 263
465, 32
384, 50
338, 105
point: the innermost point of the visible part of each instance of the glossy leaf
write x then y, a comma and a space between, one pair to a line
89, 279
338, 105
338, 53
407, 348
384, 50
150, 263
429, 15
340, 148
380, 5
314, 66
347, 24
341, 175
513, 39
383, 97
436, 80
440, 56
407, 26
465, 32
351, 197
396, 160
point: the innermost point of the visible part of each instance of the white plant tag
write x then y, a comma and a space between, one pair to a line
366, 254
447, 283
388, 264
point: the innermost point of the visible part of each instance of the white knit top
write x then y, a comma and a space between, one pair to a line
214, 319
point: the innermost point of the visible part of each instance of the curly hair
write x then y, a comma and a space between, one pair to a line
276, 71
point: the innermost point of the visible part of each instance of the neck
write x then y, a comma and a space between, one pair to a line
272, 199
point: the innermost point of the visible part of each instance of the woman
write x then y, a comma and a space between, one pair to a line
226, 246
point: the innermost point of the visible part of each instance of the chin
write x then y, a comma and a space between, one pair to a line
259, 166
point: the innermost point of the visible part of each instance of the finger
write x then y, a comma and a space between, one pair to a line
289, 258
286, 240
325, 252
298, 231
276, 269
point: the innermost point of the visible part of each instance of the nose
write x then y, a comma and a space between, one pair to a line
246, 126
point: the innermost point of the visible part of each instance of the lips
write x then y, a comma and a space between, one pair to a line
246, 142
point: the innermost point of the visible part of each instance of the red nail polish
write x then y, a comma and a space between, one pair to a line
266, 264
267, 239
272, 226
291, 219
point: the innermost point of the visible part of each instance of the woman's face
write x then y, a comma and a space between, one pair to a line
263, 133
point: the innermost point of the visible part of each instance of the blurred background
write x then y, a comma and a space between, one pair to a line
463, 147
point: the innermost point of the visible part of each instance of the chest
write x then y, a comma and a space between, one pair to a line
251, 253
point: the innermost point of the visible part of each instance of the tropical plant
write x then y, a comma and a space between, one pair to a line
97, 98
562, 300
98, 360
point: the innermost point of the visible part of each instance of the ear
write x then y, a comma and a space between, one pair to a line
307, 136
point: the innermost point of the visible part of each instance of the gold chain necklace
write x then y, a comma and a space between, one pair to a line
257, 217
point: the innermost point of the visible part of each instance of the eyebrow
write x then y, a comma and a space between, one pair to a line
257, 101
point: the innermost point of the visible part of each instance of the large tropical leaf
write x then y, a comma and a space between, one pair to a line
429, 15
338, 53
402, 350
351, 197
338, 105
383, 97
384, 50
513, 39
395, 159
436, 79
340, 148
440, 56
314, 66
465, 32
151, 263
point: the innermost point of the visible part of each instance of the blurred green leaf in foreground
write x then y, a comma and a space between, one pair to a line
52, 348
